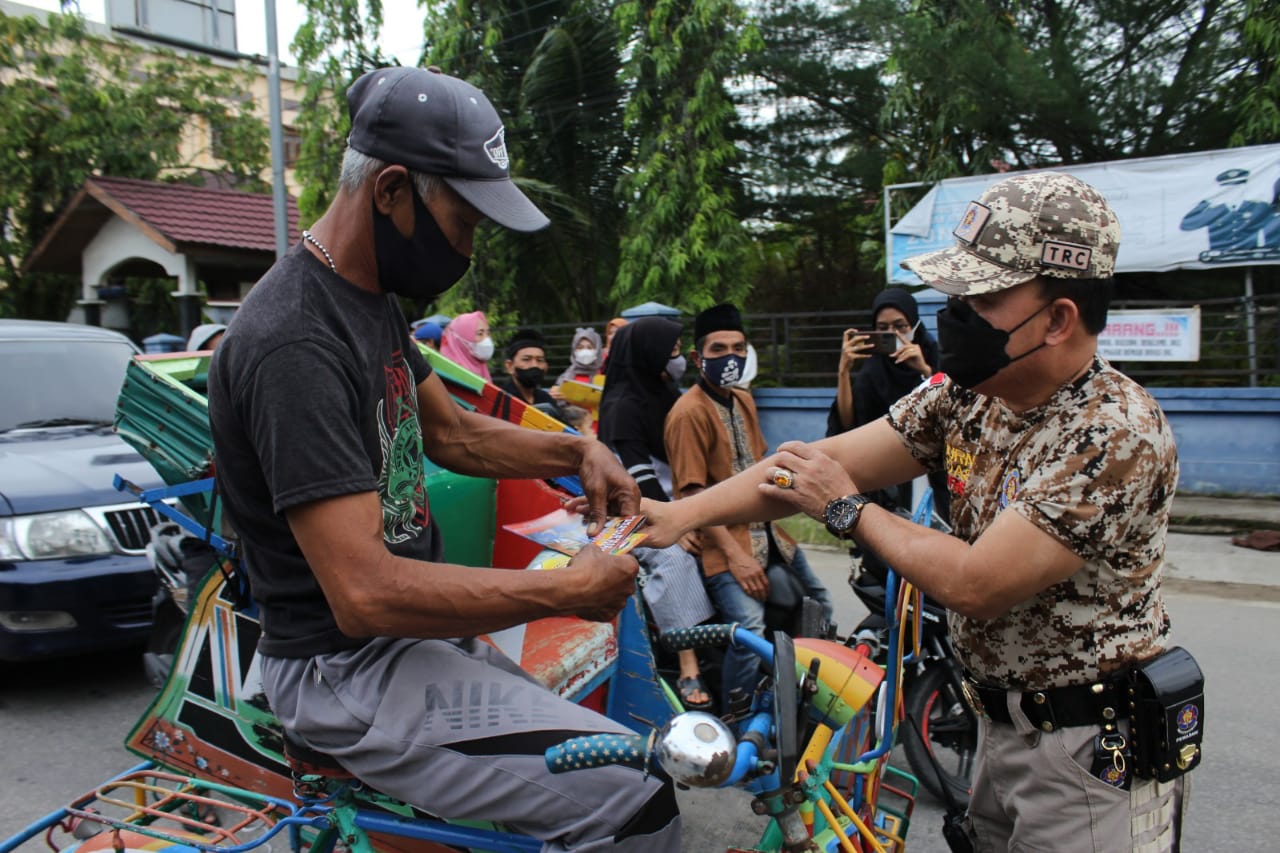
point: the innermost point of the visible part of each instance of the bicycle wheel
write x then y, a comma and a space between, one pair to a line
951, 736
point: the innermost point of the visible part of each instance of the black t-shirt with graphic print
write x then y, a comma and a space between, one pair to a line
312, 394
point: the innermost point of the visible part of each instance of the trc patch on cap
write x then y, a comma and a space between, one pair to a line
1065, 255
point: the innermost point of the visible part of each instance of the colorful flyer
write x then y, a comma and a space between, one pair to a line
548, 560
566, 532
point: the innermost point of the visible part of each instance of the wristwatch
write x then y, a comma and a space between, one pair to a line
842, 514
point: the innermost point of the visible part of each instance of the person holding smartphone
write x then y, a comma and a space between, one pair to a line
876, 369
872, 376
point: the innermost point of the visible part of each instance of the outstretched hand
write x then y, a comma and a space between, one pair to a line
661, 523
816, 479
607, 485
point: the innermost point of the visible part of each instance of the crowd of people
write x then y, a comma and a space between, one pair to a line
1060, 471
672, 444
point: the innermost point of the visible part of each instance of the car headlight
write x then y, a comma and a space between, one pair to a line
8, 542
52, 535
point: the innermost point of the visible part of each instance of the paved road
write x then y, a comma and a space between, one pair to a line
61, 726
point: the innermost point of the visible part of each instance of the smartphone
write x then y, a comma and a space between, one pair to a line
882, 342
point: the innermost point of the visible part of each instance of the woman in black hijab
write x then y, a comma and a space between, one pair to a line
639, 389
870, 383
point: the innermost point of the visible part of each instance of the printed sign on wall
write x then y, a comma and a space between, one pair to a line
1159, 335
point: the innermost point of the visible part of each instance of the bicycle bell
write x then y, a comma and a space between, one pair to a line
696, 749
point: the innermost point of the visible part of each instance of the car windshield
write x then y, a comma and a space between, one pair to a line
60, 383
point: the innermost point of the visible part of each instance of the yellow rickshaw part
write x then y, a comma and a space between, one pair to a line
815, 750
848, 811
892, 832
917, 628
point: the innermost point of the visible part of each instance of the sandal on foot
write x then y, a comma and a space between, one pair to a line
689, 686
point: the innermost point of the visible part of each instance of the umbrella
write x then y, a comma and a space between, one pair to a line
651, 309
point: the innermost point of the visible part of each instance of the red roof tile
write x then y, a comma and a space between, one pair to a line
211, 217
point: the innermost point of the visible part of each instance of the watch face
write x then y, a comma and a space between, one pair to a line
842, 515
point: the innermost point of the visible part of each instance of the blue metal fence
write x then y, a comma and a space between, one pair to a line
1239, 344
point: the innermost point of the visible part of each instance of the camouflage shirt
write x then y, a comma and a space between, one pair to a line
1094, 467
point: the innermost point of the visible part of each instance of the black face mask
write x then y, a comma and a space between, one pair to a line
971, 350
420, 267
530, 377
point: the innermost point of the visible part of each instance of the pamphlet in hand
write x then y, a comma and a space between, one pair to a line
566, 532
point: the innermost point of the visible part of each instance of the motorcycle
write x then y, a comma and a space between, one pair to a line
220, 773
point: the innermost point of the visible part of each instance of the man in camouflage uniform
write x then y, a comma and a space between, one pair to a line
1061, 472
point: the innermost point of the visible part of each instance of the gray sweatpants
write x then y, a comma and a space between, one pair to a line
457, 729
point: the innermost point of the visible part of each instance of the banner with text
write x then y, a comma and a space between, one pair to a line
1171, 334
1187, 211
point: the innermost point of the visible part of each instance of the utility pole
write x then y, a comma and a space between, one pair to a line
279, 192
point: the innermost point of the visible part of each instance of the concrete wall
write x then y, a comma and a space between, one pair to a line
1228, 438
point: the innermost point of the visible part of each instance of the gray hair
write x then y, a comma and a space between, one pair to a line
357, 168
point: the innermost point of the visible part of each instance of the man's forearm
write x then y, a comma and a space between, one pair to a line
437, 600
481, 446
1012, 561
715, 535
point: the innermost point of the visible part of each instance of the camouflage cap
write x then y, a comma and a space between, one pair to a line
1046, 223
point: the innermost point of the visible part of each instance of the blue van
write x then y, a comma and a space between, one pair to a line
74, 575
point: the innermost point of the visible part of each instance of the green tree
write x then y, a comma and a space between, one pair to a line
76, 105
683, 241
1258, 118
815, 152
1049, 82
551, 69
336, 43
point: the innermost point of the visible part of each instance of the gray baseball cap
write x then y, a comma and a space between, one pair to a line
1043, 224
439, 125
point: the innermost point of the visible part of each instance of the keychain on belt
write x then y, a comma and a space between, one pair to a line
1111, 756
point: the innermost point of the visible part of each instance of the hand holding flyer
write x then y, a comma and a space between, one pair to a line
566, 532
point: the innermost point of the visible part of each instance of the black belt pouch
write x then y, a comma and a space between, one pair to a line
1166, 715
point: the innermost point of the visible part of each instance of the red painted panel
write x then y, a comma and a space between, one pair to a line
520, 500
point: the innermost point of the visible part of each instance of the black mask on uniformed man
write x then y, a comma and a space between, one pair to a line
971, 350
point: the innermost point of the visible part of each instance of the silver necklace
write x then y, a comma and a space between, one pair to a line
307, 235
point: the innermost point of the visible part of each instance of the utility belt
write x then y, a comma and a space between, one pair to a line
1162, 698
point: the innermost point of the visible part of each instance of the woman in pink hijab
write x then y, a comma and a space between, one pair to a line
466, 341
